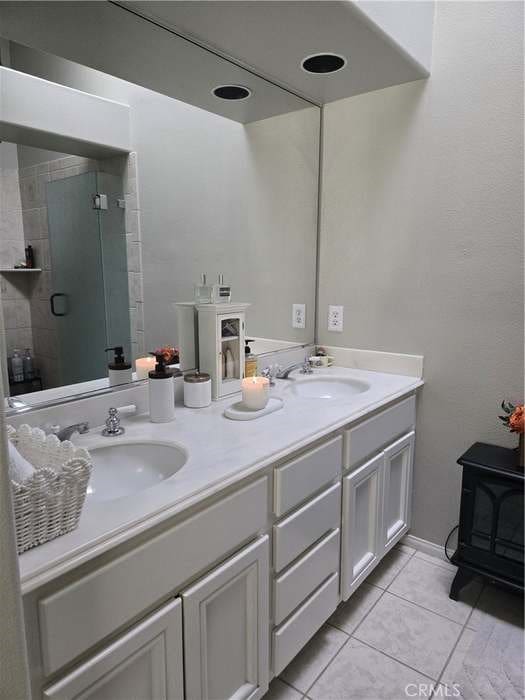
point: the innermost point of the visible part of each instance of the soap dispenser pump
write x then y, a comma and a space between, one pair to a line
119, 371
250, 360
161, 392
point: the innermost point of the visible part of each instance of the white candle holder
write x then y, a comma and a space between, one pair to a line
255, 392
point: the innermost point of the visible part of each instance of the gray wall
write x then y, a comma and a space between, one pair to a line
422, 237
215, 196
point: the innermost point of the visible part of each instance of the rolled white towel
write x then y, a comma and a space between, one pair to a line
19, 468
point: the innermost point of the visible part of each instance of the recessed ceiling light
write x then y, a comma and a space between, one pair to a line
232, 92
323, 63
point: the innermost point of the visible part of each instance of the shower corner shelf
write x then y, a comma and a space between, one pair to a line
4, 270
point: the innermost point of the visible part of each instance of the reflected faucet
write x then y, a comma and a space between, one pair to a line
66, 433
17, 404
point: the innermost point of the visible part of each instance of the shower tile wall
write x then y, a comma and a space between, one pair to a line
14, 286
33, 294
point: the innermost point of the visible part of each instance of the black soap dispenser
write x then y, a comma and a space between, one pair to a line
119, 371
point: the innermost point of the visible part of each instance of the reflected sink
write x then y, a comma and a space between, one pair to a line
326, 387
124, 468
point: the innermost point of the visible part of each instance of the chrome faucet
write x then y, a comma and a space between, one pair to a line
66, 433
305, 365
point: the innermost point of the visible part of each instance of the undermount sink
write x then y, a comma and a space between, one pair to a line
326, 387
124, 468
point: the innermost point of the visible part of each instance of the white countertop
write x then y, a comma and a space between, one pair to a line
221, 452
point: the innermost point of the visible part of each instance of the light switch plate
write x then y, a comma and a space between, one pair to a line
335, 318
298, 315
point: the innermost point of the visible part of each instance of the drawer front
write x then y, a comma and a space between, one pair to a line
81, 614
373, 434
302, 477
301, 579
304, 527
289, 638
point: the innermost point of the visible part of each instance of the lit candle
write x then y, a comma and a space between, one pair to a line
255, 392
143, 365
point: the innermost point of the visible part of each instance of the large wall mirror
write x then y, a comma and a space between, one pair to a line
116, 242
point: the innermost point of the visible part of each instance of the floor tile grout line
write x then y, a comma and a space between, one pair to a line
289, 684
327, 665
460, 635
367, 613
393, 658
474, 607
400, 570
423, 607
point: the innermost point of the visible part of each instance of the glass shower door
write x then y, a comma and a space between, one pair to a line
77, 298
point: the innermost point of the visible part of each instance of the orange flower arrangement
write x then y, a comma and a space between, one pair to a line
170, 354
514, 417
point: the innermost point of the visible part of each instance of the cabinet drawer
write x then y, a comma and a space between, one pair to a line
81, 614
302, 477
373, 434
304, 527
290, 637
298, 582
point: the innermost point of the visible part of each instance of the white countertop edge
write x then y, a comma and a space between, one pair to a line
43, 574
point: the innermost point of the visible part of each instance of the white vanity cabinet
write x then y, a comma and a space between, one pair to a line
311, 528
226, 628
145, 662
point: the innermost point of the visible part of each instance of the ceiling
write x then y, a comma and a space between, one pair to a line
272, 37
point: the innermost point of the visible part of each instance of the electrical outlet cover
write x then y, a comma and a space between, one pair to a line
335, 318
298, 315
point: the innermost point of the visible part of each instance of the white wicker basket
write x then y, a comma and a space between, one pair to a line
49, 502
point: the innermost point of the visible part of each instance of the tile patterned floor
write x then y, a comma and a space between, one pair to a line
399, 629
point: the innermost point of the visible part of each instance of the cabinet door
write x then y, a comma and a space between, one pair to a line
226, 627
230, 363
145, 662
397, 491
362, 497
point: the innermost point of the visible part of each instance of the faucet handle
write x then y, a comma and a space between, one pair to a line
270, 372
307, 366
113, 426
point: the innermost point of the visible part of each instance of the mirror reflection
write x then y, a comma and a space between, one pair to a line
100, 253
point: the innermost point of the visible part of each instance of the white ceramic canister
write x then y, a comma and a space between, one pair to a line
197, 390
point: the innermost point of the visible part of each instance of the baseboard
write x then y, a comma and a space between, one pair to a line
434, 550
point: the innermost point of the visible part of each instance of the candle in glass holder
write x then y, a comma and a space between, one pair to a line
255, 392
143, 365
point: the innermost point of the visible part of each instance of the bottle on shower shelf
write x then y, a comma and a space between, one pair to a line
27, 362
17, 366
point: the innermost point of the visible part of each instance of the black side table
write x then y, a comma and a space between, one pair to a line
490, 538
